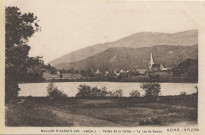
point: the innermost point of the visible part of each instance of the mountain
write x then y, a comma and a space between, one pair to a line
142, 39
127, 58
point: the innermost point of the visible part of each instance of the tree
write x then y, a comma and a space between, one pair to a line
33, 70
48, 67
87, 91
183, 93
189, 67
72, 70
76, 71
152, 89
197, 89
103, 92
84, 91
83, 73
53, 70
11, 84
95, 92
134, 93
54, 93
19, 28
117, 93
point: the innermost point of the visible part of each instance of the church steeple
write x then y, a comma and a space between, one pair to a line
151, 62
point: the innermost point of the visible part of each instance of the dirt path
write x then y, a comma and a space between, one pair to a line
80, 120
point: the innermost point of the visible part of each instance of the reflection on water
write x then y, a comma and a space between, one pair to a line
71, 88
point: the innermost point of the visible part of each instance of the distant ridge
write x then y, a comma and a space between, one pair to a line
131, 58
138, 40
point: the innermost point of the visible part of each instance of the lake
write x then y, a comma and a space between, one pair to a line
71, 88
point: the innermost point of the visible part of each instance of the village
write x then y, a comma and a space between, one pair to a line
153, 72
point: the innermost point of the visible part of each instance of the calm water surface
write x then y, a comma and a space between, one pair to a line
71, 88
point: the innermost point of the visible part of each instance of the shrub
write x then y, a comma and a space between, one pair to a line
87, 91
183, 93
150, 121
134, 93
196, 88
54, 93
30, 98
95, 92
110, 94
196, 93
152, 89
84, 91
103, 92
117, 93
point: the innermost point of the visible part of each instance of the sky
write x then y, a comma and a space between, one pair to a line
68, 25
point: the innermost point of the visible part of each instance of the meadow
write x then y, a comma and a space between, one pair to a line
103, 112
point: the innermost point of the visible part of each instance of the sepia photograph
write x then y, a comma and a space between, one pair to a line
101, 63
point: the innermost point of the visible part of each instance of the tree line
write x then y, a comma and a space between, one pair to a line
152, 90
187, 68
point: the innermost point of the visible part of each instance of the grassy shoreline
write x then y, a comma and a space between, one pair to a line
101, 112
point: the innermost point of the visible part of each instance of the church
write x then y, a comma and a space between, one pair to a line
154, 67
